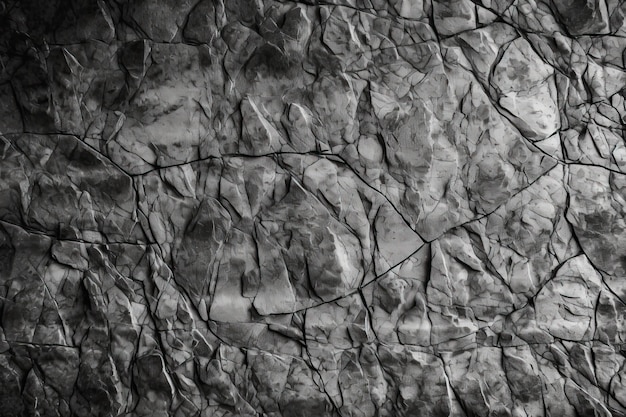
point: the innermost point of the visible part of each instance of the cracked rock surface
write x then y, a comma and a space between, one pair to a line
346, 208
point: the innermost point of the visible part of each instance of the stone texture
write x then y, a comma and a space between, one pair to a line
293, 208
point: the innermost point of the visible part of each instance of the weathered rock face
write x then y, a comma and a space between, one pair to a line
274, 208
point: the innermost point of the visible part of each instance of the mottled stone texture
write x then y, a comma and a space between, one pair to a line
370, 208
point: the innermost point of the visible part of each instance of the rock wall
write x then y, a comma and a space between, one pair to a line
370, 208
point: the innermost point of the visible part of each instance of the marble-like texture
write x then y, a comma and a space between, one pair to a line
299, 208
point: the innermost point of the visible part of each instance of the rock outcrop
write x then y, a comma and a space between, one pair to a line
312, 208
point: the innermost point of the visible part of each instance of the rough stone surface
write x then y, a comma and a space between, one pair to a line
312, 208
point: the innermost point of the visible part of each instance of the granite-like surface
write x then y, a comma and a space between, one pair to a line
278, 208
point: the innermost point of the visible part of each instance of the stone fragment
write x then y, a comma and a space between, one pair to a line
528, 94
565, 305
589, 17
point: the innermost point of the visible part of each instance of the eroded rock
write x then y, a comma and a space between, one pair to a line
264, 208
